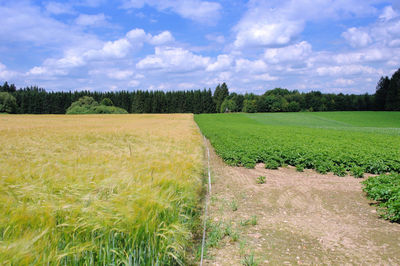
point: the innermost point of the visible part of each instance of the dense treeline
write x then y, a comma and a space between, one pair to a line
34, 100
387, 95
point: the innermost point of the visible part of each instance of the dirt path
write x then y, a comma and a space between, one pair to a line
296, 218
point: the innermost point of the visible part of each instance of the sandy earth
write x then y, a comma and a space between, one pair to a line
302, 218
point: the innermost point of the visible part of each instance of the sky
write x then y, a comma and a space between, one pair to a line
334, 46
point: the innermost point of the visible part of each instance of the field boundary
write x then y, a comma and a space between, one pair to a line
206, 201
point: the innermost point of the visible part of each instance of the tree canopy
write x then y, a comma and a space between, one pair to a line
88, 105
8, 103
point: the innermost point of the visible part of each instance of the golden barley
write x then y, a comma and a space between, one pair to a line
95, 189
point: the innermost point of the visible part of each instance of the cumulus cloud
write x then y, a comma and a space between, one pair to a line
172, 59
344, 82
248, 66
162, 38
6, 74
299, 51
223, 62
58, 8
215, 38
138, 35
46, 72
68, 61
111, 49
279, 23
346, 70
266, 27
268, 34
265, 77
119, 74
362, 56
91, 20
388, 13
200, 11
356, 37
23, 22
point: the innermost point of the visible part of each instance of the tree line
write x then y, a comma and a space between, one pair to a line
34, 100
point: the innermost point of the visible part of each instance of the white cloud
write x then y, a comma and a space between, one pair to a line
138, 35
111, 49
367, 55
388, 13
200, 11
6, 74
106, 53
58, 8
46, 72
344, 82
278, 23
119, 74
299, 51
248, 66
346, 70
23, 22
162, 38
173, 59
265, 77
216, 38
90, 3
262, 30
356, 37
37, 70
91, 20
68, 61
223, 62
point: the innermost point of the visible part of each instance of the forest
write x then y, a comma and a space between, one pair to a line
35, 100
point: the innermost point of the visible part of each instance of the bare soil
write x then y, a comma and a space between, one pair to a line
302, 218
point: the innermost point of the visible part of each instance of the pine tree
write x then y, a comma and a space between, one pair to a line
381, 93
393, 93
220, 93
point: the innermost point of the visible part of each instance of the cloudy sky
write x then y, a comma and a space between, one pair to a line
327, 45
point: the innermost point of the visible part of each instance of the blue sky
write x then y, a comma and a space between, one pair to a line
327, 45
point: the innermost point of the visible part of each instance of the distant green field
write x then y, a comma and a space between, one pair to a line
380, 122
339, 142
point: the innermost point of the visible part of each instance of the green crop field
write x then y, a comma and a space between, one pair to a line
338, 142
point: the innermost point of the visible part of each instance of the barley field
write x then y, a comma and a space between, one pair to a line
98, 189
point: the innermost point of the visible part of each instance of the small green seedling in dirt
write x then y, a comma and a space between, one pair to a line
215, 233
249, 260
231, 232
261, 179
234, 205
242, 247
245, 222
251, 221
